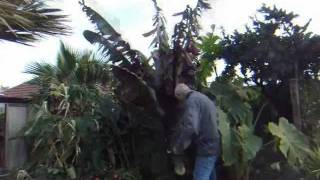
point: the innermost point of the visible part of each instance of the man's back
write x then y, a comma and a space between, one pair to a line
207, 137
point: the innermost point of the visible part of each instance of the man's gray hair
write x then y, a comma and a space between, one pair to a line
182, 90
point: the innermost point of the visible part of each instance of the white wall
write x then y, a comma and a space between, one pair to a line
2, 107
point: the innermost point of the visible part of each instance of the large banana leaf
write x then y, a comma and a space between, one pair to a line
110, 41
102, 25
293, 144
161, 39
134, 90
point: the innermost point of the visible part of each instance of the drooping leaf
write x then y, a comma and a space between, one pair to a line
135, 90
150, 33
102, 25
111, 43
161, 40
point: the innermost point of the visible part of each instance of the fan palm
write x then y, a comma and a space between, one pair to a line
25, 21
72, 67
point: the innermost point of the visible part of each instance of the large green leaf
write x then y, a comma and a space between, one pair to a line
238, 143
231, 100
293, 144
228, 140
250, 143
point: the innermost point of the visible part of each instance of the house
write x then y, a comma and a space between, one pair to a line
14, 108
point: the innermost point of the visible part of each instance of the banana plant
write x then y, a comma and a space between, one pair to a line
145, 86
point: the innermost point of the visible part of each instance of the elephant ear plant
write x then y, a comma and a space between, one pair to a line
300, 151
240, 145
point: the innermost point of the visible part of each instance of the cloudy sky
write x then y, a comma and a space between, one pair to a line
134, 17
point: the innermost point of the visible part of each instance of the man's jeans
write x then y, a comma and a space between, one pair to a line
205, 168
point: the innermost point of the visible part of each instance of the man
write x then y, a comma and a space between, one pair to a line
198, 125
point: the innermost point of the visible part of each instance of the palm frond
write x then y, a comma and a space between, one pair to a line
44, 73
91, 70
66, 62
27, 21
72, 67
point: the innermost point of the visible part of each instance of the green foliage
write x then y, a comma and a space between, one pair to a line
65, 143
72, 67
70, 133
300, 151
312, 163
211, 49
271, 52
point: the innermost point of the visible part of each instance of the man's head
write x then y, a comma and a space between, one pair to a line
181, 91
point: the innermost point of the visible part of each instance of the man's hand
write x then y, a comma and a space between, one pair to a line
179, 166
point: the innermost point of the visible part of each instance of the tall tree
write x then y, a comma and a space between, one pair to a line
274, 53
73, 119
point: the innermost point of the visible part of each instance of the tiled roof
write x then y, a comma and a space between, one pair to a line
22, 91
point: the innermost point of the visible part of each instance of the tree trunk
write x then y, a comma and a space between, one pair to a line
295, 101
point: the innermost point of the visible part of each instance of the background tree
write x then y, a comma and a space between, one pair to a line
272, 53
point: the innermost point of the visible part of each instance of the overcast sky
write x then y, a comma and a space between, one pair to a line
134, 17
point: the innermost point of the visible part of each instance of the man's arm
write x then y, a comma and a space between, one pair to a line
187, 128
